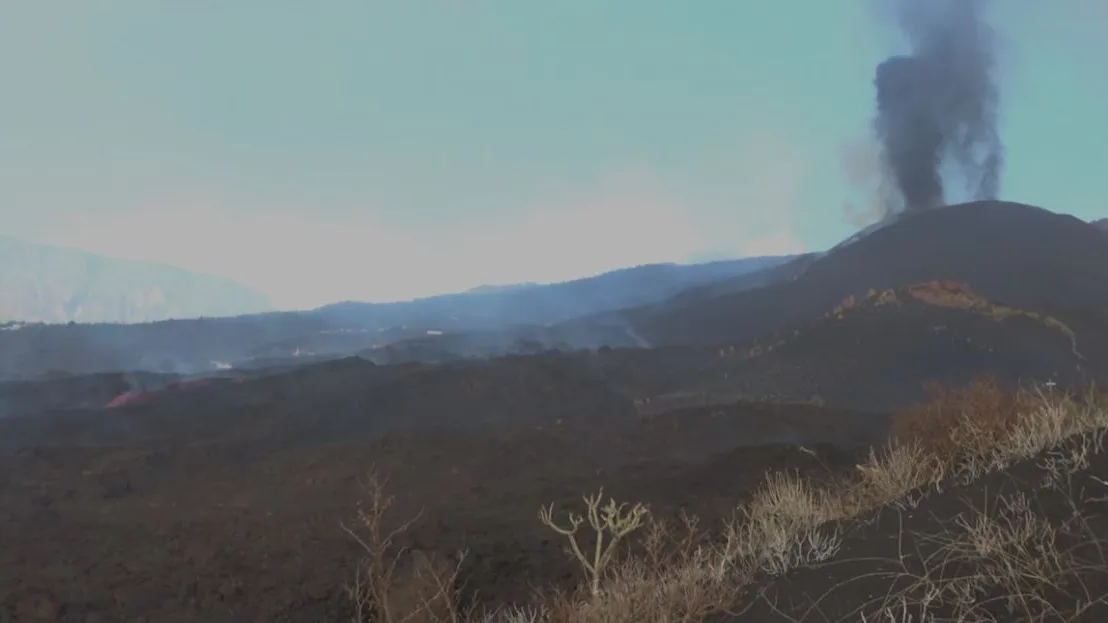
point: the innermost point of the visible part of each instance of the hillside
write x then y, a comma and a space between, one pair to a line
497, 321
1102, 223
880, 351
869, 354
1011, 253
40, 283
248, 516
76, 392
495, 307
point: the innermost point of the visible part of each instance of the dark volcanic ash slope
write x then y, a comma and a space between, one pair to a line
89, 391
342, 400
873, 353
1011, 253
879, 352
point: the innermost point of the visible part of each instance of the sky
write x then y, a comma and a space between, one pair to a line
387, 149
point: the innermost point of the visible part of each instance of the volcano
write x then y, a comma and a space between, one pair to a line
1011, 253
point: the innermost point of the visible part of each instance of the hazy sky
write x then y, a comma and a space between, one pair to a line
383, 149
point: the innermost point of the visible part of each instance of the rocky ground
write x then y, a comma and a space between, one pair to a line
213, 531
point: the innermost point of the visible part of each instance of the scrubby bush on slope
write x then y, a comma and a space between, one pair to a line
685, 573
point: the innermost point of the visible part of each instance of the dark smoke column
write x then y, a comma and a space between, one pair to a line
937, 106
910, 130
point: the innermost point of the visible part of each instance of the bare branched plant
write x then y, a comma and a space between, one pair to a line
680, 577
393, 584
614, 520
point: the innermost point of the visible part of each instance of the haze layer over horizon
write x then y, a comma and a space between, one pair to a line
382, 151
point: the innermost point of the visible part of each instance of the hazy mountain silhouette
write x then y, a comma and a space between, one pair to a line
1014, 254
480, 322
493, 307
40, 283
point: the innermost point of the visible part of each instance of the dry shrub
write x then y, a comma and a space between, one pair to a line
683, 574
610, 524
1003, 562
964, 420
964, 433
889, 477
678, 576
1057, 418
1097, 398
394, 584
780, 528
790, 523
948, 294
421, 589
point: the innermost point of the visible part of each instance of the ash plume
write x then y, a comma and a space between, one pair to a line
937, 106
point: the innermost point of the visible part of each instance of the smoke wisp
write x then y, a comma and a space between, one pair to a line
937, 106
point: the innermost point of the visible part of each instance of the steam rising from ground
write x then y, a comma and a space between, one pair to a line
937, 106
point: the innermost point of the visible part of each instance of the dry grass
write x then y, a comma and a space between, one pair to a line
965, 419
782, 525
959, 295
1002, 561
683, 573
954, 295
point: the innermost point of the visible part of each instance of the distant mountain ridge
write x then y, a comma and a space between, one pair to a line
42, 283
498, 318
493, 307
1102, 223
